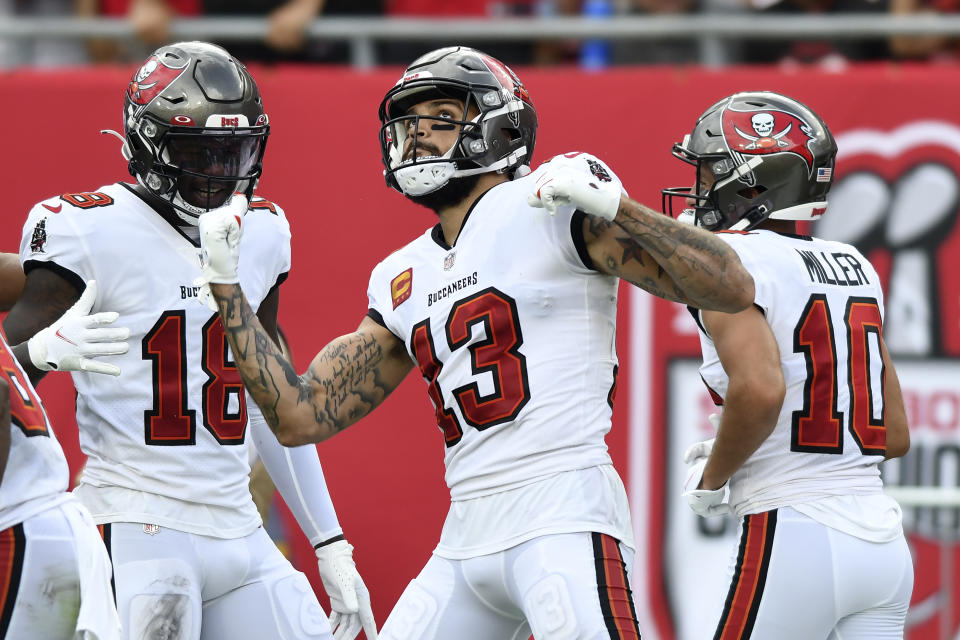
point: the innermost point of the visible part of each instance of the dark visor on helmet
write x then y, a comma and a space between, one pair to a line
207, 166
222, 156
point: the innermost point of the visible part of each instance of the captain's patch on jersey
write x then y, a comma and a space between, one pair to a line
401, 286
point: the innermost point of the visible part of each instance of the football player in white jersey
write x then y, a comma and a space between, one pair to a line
167, 468
54, 569
810, 399
509, 314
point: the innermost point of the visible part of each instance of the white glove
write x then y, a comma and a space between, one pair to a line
698, 450
349, 599
704, 502
563, 185
219, 247
75, 337
702, 449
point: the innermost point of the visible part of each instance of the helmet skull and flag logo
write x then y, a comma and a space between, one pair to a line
772, 132
153, 77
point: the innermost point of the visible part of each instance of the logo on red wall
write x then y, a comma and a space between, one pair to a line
897, 199
153, 77
767, 131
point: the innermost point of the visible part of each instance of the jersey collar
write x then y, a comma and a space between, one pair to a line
437, 232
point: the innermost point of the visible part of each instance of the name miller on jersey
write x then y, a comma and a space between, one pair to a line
818, 264
451, 288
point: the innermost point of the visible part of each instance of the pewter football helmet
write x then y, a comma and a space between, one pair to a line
194, 127
769, 156
500, 137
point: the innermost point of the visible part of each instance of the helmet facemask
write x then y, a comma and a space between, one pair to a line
194, 128
197, 169
496, 131
716, 175
206, 167
417, 166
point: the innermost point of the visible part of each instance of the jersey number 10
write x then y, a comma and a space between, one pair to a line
818, 427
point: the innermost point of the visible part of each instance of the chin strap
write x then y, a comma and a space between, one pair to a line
418, 179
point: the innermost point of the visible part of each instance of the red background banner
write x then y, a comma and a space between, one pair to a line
323, 167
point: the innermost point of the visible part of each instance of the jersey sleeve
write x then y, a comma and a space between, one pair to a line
751, 251
283, 257
266, 239
566, 227
380, 296
57, 237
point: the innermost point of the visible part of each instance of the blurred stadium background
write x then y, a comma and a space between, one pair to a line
621, 79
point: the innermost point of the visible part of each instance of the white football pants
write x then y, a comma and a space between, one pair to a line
796, 579
55, 578
182, 586
565, 586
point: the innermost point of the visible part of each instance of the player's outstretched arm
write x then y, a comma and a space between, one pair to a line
348, 379
46, 296
749, 354
668, 258
72, 341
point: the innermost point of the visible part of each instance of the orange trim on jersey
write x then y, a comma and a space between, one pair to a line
12, 547
7, 552
616, 599
743, 599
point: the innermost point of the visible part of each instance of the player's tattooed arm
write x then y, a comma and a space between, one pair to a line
669, 259
46, 295
348, 379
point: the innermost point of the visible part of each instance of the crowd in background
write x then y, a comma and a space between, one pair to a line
286, 41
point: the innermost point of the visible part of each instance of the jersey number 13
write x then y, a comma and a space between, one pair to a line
498, 355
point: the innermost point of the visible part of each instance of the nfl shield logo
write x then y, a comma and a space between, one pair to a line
151, 529
448, 260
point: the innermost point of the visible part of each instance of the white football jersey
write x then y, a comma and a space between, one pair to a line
36, 477
824, 304
166, 441
513, 332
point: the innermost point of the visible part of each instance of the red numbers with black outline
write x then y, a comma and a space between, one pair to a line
263, 204
498, 355
26, 412
171, 421
87, 200
818, 426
